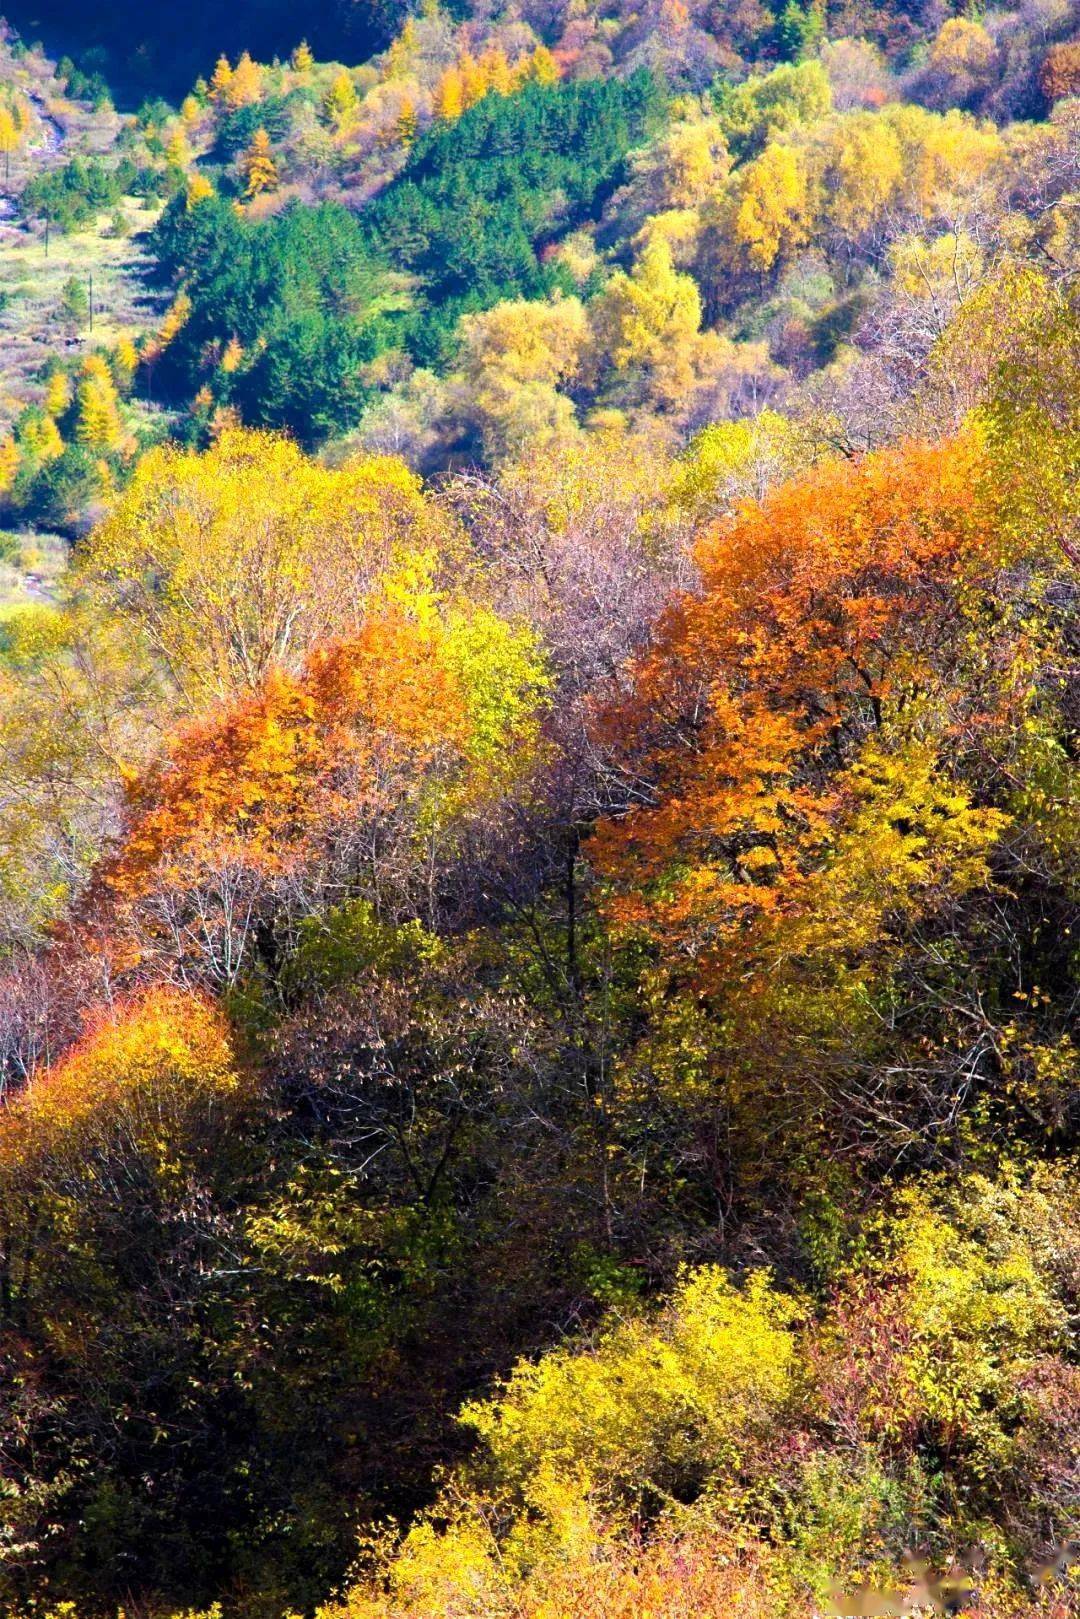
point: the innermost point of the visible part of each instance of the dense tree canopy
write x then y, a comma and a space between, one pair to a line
296, 298
479, 197
539, 815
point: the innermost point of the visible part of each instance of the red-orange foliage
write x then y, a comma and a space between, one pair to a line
140, 1070
263, 779
1059, 74
758, 685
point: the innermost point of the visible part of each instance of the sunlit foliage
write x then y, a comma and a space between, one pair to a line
539, 807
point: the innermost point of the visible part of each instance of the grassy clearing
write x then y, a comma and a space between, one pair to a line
33, 274
32, 323
30, 568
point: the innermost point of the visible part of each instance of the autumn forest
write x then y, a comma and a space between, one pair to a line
540, 810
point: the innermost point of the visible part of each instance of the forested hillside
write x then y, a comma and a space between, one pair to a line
539, 813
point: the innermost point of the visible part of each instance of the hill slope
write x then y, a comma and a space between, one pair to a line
539, 890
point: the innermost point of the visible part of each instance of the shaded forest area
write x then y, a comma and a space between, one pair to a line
146, 51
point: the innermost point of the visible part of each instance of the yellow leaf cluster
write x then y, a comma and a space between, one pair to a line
244, 557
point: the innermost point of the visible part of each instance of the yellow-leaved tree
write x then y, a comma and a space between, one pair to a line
257, 165
230, 562
341, 101
245, 83
589, 1440
450, 95
647, 322
99, 426
10, 137
764, 215
515, 356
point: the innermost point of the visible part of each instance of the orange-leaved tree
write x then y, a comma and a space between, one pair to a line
154, 1063
820, 814
123, 1118
260, 777
333, 782
115, 1166
816, 609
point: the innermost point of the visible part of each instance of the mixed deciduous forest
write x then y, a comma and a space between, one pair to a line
540, 811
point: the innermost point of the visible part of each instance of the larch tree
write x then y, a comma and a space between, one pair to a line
98, 426
450, 95
177, 150
405, 127
475, 83
245, 85
221, 79
9, 462
58, 392
500, 79
541, 67
341, 101
10, 138
257, 165
39, 438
